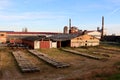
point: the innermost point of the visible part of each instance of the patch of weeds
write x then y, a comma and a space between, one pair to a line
114, 77
117, 63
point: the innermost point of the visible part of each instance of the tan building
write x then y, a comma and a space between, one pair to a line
96, 34
3, 37
84, 40
75, 40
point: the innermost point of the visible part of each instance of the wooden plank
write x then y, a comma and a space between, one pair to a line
24, 64
48, 59
83, 54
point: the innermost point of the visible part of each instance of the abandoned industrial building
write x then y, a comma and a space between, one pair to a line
71, 37
52, 40
61, 40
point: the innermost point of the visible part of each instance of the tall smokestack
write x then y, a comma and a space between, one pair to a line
69, 25
65, 30
102, 30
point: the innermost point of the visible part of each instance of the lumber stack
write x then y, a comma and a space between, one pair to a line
49, 60
24, 64
83, 54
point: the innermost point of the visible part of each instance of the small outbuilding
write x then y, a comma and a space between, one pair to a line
37, 42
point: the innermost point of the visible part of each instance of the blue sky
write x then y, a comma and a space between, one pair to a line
53, 15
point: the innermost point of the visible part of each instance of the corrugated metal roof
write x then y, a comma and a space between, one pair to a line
64, 37
34, 38
33, 33
6, 31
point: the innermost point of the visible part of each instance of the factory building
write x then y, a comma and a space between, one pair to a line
71, 37
99, 33
60, 40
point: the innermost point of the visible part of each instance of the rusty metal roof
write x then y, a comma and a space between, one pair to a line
64, 37
35, 38
33, 33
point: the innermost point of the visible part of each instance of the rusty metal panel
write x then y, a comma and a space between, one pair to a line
44, 44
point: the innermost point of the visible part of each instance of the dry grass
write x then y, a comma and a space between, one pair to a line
81, 68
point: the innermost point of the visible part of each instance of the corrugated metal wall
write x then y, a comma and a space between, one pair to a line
44, 44
15, 41
29, 43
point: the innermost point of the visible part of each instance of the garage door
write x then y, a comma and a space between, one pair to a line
44, 44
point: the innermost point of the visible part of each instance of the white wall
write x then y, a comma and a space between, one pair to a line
36, 44
54, 45
95, 34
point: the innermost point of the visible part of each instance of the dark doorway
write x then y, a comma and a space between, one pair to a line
65, 43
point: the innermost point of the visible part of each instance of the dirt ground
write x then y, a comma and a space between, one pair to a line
81, 68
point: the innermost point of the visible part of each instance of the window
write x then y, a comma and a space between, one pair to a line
91, 38
1, 34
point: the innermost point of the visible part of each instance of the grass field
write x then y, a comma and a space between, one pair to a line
81, 68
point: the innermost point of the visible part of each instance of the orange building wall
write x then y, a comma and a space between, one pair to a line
3, 37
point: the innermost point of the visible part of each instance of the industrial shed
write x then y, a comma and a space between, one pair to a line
75, 40
15, 39
37, 42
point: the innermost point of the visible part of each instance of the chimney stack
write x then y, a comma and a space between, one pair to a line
69, 25
98, 29
102, 30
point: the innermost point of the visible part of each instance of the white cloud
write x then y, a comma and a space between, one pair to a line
115, 11
31, 16
113, 29
4, 4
